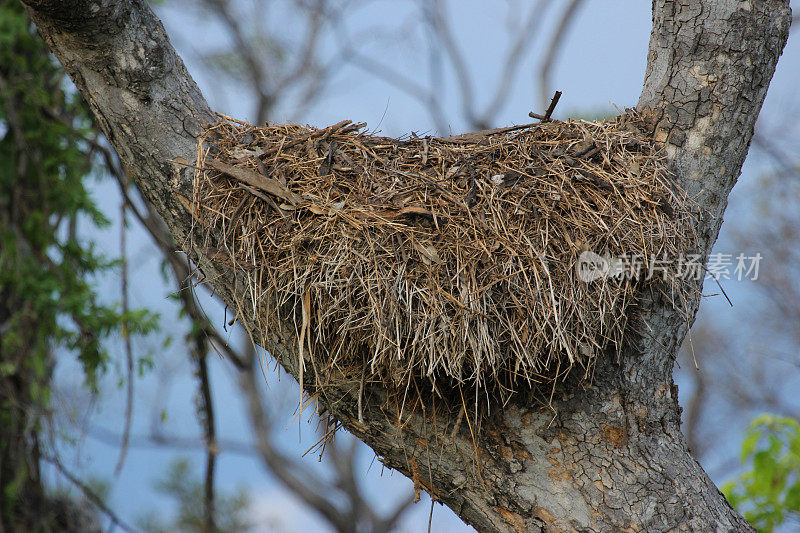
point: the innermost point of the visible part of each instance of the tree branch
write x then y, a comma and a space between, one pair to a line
89, 494
613, 456
556, 42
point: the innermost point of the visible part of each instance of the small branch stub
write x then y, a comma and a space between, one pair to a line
550, 109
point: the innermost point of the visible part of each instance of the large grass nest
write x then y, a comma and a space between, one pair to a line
429, 260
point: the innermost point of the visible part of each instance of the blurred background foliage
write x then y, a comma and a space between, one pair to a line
767, 493
47, 297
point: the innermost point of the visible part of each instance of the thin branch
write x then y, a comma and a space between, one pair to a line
160, 440
210, 435
394, 78
92, 496
390, 522
311, 489
514, 60
163, 240
305, 62
567, 17
460, 69
547, 117
775, 153
343, 463
182, 270
246, 51
126, 335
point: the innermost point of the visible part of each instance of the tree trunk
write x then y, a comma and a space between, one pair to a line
23, 502
612, 457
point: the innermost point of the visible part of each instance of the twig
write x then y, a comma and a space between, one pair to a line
180, 268
211, 442
719, 285
477, 136
550, 109
310, 135
88, 493
125, 333
293, 474
430, 516
514, 60
448, 42
555, 45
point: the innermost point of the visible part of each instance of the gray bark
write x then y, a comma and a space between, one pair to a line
614, 457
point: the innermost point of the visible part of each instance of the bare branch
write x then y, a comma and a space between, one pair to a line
556, 42
207, 409
514, 59
96, 500
299, 480
126, 335
438, 8
426, 97
255, 67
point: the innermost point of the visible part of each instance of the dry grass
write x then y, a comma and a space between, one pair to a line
428, 259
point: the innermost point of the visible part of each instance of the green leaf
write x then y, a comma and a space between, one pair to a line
749, 445
769, 488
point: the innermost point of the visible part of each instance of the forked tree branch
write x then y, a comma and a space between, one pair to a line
613, 456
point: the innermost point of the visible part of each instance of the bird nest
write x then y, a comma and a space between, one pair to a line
459, 259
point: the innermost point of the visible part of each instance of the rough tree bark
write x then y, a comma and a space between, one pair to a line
614, 457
